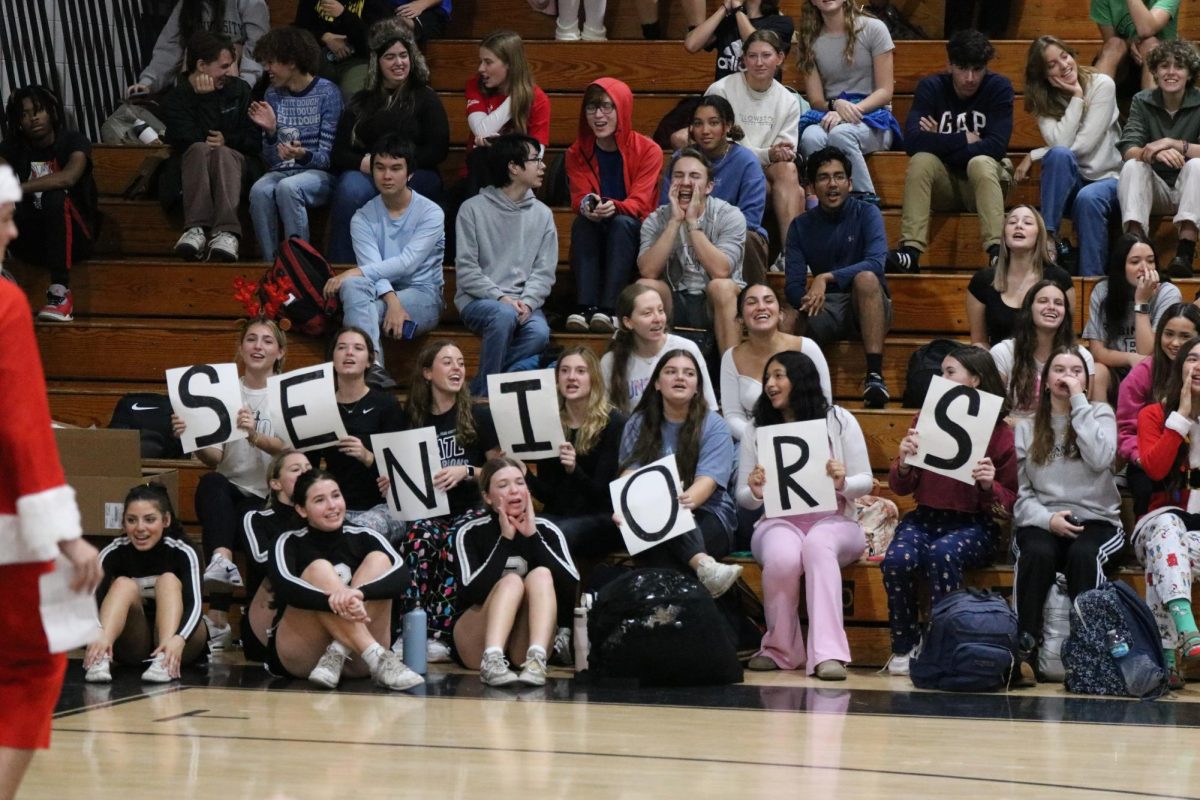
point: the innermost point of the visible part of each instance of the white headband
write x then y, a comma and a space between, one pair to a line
10, 187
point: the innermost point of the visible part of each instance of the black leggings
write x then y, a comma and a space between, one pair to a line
55, 235
709, 536
221, 507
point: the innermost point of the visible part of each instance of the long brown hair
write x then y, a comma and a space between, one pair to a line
1174, 481
622, 345
598, 408
810, 28
1043, 429
1000, 282
509, 48
420, 395
1042, 98
648, 446
1161, 363
1022, 383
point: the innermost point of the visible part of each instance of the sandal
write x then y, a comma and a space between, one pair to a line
1190, 647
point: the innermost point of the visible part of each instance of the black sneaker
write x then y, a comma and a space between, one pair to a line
902, 261
993, 255
1180, 267
875, 391
378, 378
1067, 257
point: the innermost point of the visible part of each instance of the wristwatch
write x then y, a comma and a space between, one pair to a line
693, 226
1141, 308
470, 472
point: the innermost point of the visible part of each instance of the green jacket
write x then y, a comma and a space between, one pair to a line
1149, 121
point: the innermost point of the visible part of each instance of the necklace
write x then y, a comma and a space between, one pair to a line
349, 408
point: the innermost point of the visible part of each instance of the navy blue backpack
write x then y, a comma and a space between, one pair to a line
1091, 668
970, 644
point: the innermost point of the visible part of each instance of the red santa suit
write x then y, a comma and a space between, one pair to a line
37, 511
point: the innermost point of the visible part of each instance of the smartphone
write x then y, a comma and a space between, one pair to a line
589, 202
408, 330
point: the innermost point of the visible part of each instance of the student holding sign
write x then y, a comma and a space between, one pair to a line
1067, 515
672, 417
953, 527
516, 579
814, 545
261, 530
334, 589
237, 483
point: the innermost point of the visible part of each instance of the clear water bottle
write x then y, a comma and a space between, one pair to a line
580, 633
415, 632
144, 133
1142, 676
1117, 644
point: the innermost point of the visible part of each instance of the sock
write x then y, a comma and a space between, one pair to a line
1186, 250
535, 650
1181, 614
651, 30
875, 363
493, 651
1169, 657
340, 649
372, 654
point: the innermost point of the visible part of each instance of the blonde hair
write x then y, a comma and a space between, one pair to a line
599, 407
809, 30
509, 48
244, 328
1042, 98
1000, 282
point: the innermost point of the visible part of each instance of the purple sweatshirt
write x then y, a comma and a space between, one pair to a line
1132, 398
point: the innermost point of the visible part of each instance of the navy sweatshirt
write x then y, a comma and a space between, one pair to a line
845, 243
989, 113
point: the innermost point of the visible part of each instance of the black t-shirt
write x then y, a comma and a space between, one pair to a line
454, 453
998, 316
728, 41
584, 491
376, 412
32, 162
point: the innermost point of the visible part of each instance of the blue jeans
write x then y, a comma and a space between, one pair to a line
603, 257
363, 307
353, 190
505, 341
1090, 204
286, 194
855, 141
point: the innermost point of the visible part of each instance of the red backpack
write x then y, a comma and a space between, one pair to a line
292, 288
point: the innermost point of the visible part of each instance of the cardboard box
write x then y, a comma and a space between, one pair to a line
102, 465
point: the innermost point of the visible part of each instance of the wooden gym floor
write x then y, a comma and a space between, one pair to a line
230, 731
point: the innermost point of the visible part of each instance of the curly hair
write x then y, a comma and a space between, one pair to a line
289, 45
1183, 53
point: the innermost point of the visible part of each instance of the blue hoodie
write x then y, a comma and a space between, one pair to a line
988, 112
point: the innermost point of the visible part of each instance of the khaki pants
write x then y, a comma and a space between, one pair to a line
212, 188
930, 185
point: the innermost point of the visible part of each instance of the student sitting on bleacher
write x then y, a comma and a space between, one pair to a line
613, 174
1142, 386
815, 545
842, 244
673, 418
243, 21
425, 19
1076, 111
1125, 307
995, 294
506, 259
1133, 28
399, 243
1067, 515
1161, 172
730, 24
957, 137
848, 57
214, 151
341, 29
1042, 326
953, 527
736, 174
691, 252
397, 100
640, 341
57, 217
299, 119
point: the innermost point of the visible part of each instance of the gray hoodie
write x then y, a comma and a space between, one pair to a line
505, 248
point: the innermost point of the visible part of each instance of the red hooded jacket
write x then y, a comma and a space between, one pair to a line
642, 157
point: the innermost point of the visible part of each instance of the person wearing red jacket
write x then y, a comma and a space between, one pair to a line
1167, 539
38, 520
613, 173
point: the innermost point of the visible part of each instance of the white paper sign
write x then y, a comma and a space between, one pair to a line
304, 410
207, 397
954, 428
795, 458
410, 459
647, 501
68, 617
525, 412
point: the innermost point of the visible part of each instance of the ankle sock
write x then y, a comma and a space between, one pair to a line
340, 649
488, 651
875, 363
372, 654
536, 650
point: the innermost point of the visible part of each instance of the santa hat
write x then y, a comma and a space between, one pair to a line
10, 187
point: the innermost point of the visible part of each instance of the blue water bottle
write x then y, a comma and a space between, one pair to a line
414, 640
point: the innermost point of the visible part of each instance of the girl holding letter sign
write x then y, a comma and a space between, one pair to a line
1067, 515
953, 527
673, 417
237, 483
813, 545
516, 579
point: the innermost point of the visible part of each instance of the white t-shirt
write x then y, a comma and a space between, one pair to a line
1167, 295
639, 370
741, 392
243, 464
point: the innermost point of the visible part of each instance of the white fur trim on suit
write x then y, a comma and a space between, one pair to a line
10, 187
41, 522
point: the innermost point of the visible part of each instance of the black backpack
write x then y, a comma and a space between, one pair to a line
969, 646
923, 364
292, 287
662, 628
150, 414
1091, 667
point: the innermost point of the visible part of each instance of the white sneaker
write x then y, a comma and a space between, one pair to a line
591, 34
392, 673
716, 577
328, 671
602, 323
99, 672
222, 575
577, 323
779, 264
223, 247
398, 647
494, 671
157, 671
191, 244
436, 652
533, 671
219, 637
562, 652
899, 662
569, 33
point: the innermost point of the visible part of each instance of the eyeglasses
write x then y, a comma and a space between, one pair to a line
538, 159
606, 107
